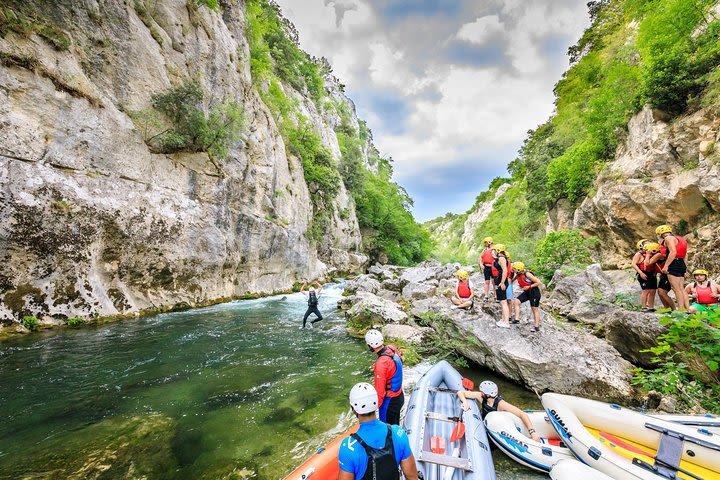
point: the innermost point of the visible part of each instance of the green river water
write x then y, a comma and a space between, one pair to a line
231, 391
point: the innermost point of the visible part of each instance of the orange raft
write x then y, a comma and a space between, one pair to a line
323, 465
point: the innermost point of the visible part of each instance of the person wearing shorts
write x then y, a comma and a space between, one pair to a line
530, 286
646, 277
675, 267
703, 292
486, 260
501, 283
655, 255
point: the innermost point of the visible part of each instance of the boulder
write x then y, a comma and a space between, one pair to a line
363, 283
446, 287
631, 332
369, 309
561, 358
393, 284
418, 274
414, 291
408, 333
389, 295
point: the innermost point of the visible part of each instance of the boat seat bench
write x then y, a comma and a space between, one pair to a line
445, 460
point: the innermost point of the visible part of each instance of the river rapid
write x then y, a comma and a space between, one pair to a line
231, 391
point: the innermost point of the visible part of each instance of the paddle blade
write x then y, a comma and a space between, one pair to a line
458, 432
437, 445
468, 384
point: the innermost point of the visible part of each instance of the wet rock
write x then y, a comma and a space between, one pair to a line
408, 333
414, 291
369, 309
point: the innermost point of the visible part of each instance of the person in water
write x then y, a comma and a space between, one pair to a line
486, 260
377, 449
464, 291
646, 276
502, 267
675, 267
312, 296
655, 255
703, 292
530, 286
388, 377
492, 402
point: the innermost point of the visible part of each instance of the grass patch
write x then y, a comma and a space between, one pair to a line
30, 322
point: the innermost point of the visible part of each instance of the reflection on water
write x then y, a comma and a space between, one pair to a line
226, 392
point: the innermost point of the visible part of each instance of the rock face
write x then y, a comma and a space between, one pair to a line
563, 357
663, 173
93, 223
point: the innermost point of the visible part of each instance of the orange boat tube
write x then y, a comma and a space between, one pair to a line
323, 465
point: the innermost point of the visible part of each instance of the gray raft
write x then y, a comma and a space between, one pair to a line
431, 412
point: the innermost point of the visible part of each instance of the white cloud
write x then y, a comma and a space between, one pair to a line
481, 30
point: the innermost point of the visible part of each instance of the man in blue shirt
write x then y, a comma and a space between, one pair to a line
377, 449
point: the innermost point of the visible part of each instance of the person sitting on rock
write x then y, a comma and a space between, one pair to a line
464, 291
486, 260
502, 267
492, 402
655, 255
703, 292
675, 267
530, 286
312, 297
646, 276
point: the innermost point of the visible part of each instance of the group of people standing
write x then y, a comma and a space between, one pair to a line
660, 268
505, 277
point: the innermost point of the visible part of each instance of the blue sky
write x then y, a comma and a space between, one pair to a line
449, 87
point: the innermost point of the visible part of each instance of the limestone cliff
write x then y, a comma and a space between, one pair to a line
92, 222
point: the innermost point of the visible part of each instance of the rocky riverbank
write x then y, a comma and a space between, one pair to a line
589, 342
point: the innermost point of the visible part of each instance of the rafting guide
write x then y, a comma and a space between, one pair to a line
312, 296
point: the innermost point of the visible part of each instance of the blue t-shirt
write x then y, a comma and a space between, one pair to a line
352, 457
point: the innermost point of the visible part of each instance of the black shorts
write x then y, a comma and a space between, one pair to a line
651, 283
677, 268
532, 296
664, 283
487, 272
500, 293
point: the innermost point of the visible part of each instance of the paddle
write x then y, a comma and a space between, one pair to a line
458, 432
437, 445
468, 384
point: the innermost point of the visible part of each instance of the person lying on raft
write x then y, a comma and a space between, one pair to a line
646, 276
703, 292
464, 291
530, 286
492, 402
655, 256
377, 449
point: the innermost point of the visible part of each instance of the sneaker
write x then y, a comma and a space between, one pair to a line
310, 325
502, 324
514, 321
651, 310
644, 310
536, 329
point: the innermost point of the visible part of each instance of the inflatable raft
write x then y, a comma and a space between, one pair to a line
569, 469
627, 445
323, 465
509, 434
432, 422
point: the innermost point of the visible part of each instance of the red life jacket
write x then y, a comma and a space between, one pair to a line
681, 247
523, 281
487, 257
704, 294
660, 264
463, 289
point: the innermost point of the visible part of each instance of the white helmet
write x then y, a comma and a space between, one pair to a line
363, 398
312, 290
489, 388
374, 338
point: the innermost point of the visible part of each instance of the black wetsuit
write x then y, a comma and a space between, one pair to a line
312, 308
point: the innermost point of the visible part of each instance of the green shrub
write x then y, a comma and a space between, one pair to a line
211, 4
687, 358
411, 356
30, 322
563, 248
75, 321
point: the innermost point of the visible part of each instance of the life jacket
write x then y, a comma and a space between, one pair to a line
487, 257
497, 268
463, 289
312, 299
490, 408
523, 281
704, 294
681, 248
394, 383
511, 275
660, 264
381, 461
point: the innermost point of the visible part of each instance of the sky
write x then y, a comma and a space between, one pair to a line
448, 87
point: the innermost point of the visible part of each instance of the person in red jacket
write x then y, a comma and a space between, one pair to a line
675, 267
655, 255
388, 377
486, 260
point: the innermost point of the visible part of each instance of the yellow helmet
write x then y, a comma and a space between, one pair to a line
519, 266
500, 247
639, 244
663, 229
652, 247
700, 271
462, 274
488, 240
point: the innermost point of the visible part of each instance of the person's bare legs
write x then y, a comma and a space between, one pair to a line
487, 288
505, 312
651, 299
462, 303
665, 299
536, 316
676, 283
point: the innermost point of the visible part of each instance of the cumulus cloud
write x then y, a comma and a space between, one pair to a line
449, 87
